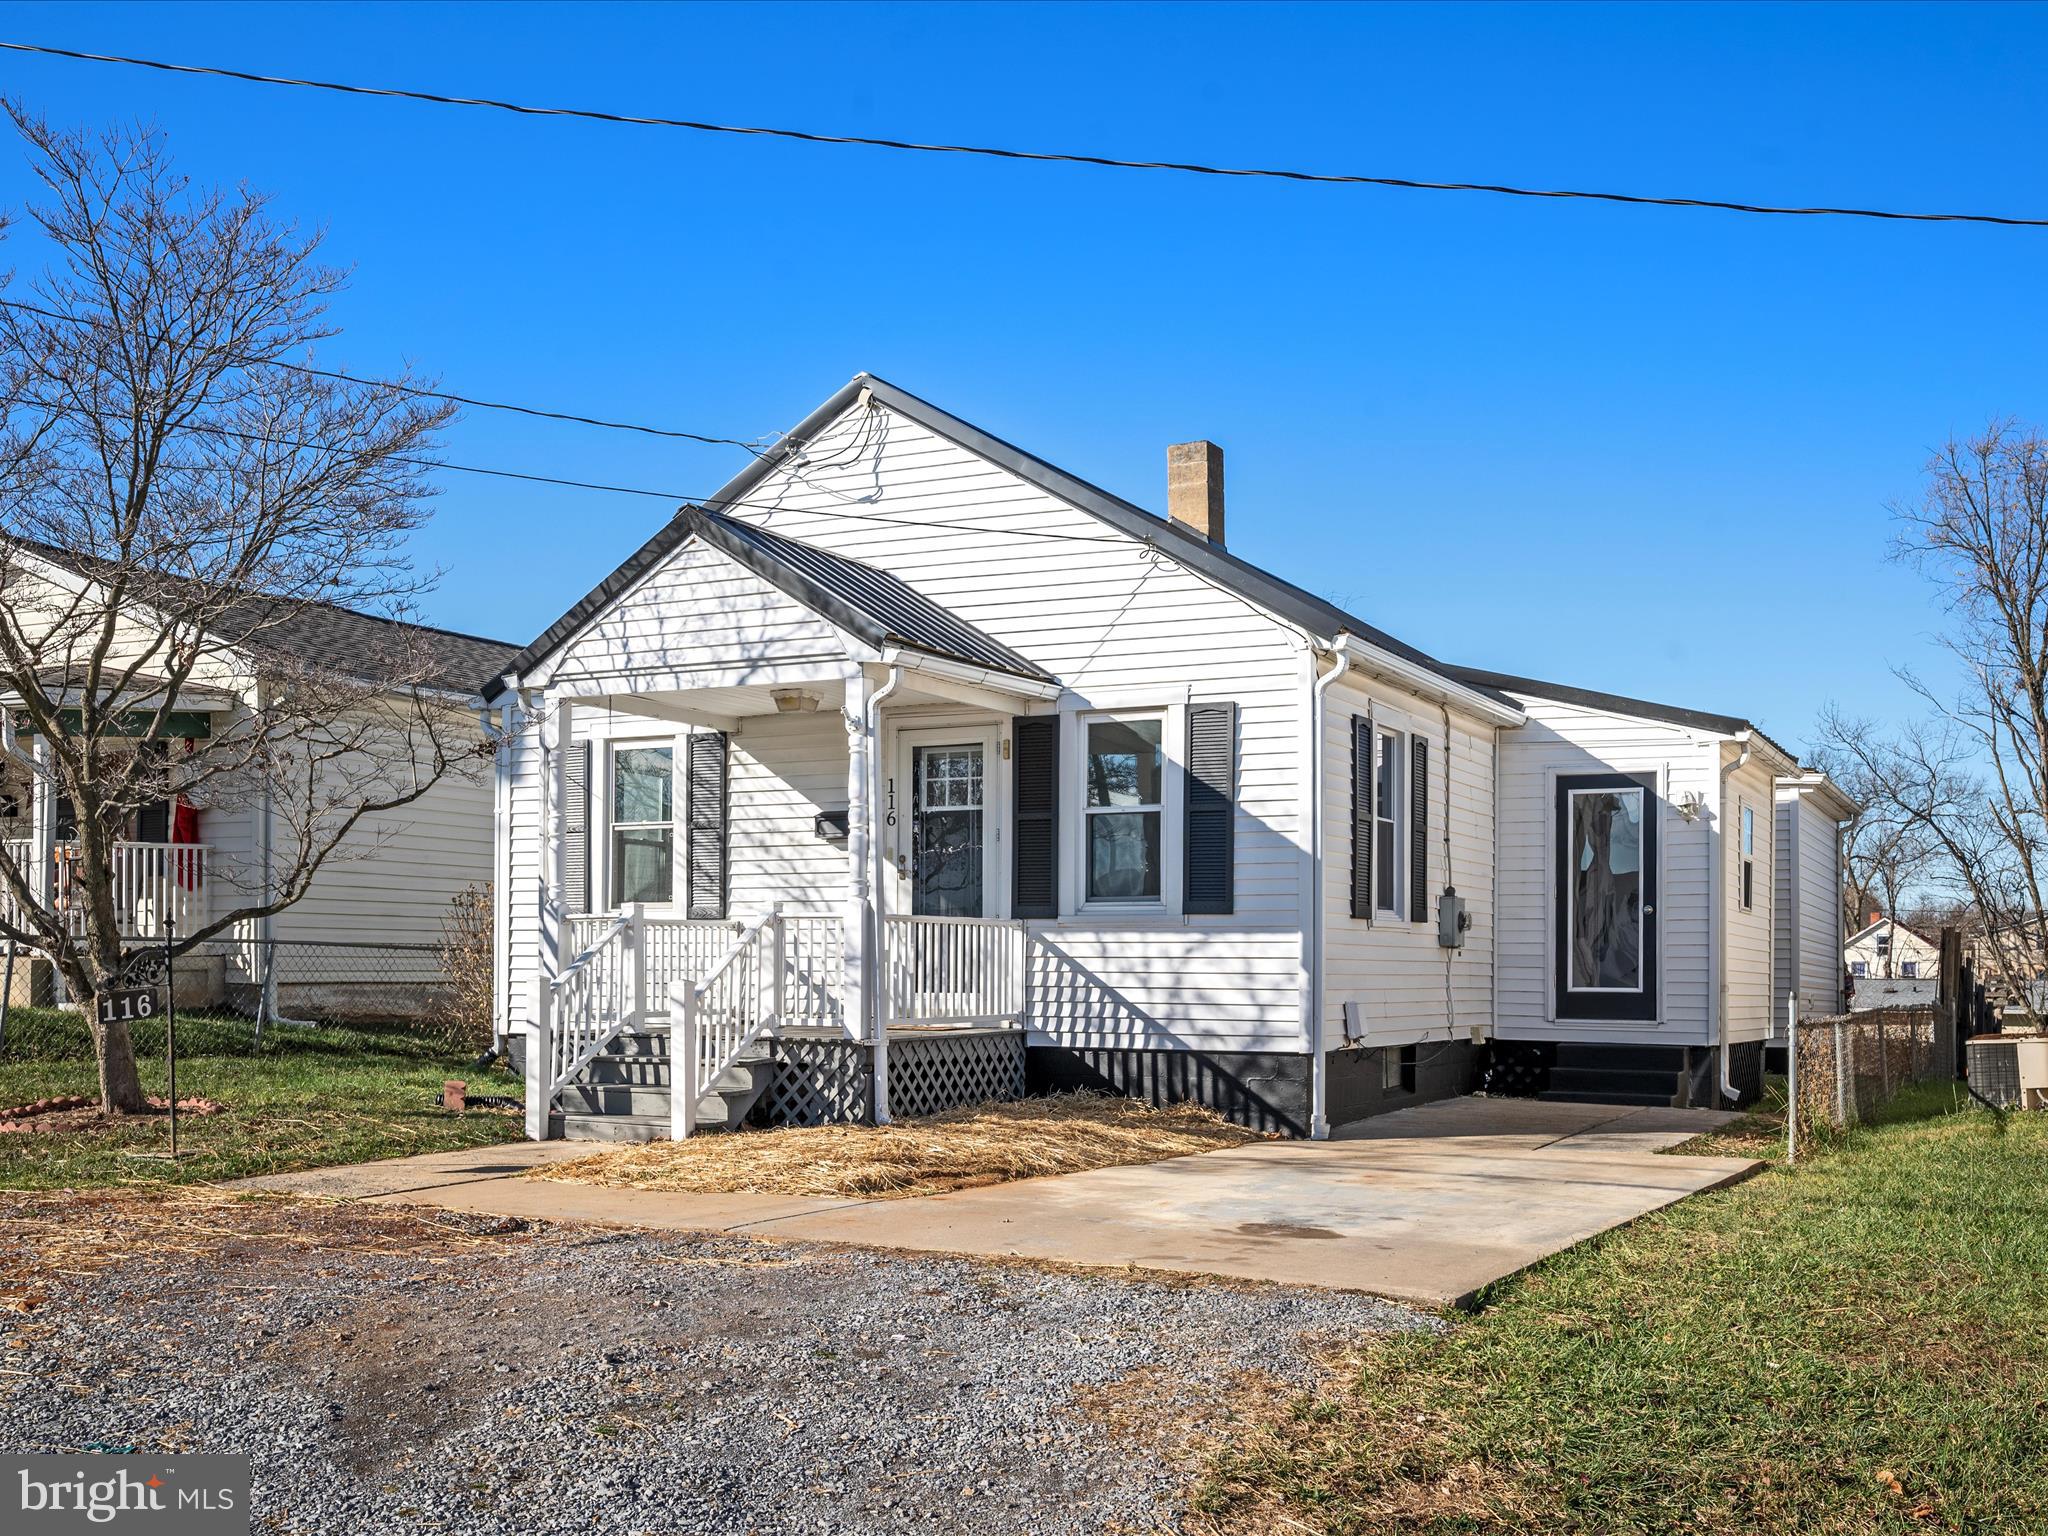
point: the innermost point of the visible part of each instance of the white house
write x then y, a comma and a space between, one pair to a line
199, 855
1885, 948
910, 768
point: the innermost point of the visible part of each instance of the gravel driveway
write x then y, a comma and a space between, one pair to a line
391, 1370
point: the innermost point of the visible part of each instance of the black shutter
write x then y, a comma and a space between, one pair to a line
1361, 816
1208, 869
1418, 830
1035, 816
576, 827
707, 851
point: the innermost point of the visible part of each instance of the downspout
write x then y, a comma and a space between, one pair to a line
1717, 930
877, 871
1312, 1001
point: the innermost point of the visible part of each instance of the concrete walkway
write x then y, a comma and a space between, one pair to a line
1426, 1205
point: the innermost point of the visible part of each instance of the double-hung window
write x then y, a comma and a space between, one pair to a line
1748, 857
1387, 821
1124, 765
643, 825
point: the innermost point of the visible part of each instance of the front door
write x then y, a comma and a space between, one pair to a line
1605, 933
948, 838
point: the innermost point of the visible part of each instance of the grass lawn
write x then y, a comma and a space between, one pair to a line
302, 1099
1858, 1345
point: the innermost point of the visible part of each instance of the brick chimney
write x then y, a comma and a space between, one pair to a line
1194, 489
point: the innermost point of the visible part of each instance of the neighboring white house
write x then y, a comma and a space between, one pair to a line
1807, 960
1886, 949
907, 737
194, 857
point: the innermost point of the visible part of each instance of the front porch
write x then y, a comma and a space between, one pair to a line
668, 1027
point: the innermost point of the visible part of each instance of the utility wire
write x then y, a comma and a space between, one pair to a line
415, 390
673, 497
1183, 167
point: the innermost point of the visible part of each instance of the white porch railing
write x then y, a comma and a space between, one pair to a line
813, 974
154, 883
713, 1020
587, 1004
686, 949
952, 970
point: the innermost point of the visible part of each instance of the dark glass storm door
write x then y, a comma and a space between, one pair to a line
1605, 918
947, 835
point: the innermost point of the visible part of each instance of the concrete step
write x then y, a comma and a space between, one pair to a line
1565, 1079
1646, 1100
1620, 1058
580, 1127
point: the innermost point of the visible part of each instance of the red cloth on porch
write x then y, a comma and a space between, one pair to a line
185, 829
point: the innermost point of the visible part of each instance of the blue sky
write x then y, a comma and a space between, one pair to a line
1636, 449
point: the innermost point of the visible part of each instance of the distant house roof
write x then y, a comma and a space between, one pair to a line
1869, 928
1226, 570
323, 634
870, 604
1620, 704
1893, 992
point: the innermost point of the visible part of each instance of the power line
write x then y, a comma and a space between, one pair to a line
673, 497
1187, 168
416, 391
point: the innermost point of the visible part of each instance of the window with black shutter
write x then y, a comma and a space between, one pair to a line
1361, 816
1209, 862
1418, 830
1035, 816
707, 820
576, 826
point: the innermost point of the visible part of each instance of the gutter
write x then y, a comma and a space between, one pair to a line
1717, 937
1421, 680
1312, 1001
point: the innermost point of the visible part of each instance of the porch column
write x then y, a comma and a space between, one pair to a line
43, 827
863, 1018
554, 955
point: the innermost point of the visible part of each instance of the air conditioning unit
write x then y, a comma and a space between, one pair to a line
2033, 1065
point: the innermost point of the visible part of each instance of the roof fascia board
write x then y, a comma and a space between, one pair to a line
965, 676
1430, 685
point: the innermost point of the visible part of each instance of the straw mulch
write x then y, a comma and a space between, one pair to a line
960, 1149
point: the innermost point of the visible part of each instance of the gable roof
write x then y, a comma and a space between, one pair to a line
870, 604
319, 633
1896, 925
1615, 703
1226, 570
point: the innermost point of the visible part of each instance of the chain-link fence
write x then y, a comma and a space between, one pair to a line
1841, 1070
234, 996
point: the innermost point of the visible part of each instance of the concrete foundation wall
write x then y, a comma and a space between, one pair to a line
1358, 1078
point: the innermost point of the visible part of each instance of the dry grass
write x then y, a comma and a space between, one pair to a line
963, 1148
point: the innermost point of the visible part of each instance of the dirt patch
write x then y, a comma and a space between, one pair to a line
76, 1112
961, 1149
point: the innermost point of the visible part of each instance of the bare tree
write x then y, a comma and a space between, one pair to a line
179, 497
1972, 778
1885, 855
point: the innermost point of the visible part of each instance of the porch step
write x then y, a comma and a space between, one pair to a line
1565, 1079
1646, 1100
631, 1088
583, 1127
1590, 1073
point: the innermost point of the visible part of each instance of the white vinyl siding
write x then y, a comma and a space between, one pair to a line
1561, 739
1749, 930
1806, 954
1120, 626
1398, 982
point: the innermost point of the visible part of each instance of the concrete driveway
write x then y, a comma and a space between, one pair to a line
1426, 1205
